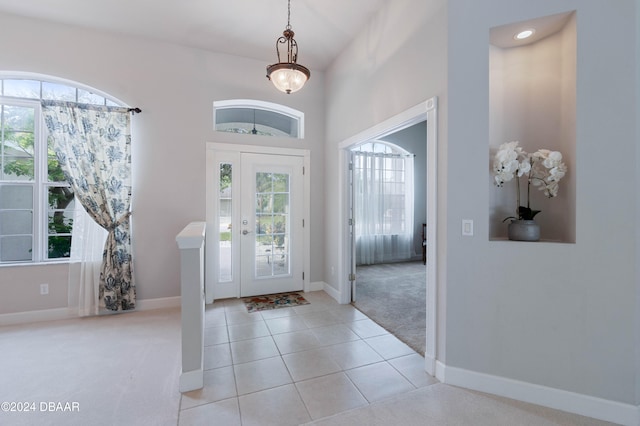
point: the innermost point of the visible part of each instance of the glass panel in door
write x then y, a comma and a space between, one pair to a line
272, 224
272, 233
225, 216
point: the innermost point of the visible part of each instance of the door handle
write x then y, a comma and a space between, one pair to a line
245, 232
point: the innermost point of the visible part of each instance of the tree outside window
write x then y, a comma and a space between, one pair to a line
36, 203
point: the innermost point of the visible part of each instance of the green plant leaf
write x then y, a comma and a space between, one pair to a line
526, 213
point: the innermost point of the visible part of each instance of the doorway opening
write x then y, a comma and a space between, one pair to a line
422, 112
389, 211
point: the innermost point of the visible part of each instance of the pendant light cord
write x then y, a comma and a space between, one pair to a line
254, 131
289, 15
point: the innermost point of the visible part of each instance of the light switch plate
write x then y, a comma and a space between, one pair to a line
467, 227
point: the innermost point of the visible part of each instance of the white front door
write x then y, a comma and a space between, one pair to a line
255, 214
271, 224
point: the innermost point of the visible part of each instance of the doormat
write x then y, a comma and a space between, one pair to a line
273, 301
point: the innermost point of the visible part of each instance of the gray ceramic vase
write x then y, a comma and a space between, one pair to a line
524, 230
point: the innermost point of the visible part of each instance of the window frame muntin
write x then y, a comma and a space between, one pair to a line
397, 152
22, 75
294, 114
40, 183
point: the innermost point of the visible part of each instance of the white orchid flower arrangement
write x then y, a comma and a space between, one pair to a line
543, 169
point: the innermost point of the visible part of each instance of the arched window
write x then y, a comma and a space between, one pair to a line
383, 202
36, 204
257, 117
381, 147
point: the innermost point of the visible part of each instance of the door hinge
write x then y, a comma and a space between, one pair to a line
352, 277
303, 276
350, 166
303, 223
350, 221
302, 170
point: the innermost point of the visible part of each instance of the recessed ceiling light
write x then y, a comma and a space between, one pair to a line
524, 34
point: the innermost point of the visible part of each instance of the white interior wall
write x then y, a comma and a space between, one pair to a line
565, 211
557, 315
398, 61
532, 100
637, 114
175, 87
20, 288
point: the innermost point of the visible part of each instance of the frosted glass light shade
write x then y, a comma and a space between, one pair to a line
288, 77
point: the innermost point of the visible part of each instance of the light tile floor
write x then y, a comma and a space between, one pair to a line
293, 365
125, 371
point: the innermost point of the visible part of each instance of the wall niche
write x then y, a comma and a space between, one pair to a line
532, 99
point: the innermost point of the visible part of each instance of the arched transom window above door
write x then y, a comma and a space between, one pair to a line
248, 116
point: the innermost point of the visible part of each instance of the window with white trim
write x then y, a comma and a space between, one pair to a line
383, 202
248, 116
36, 204
383, 167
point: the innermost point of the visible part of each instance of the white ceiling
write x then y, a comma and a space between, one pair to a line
503, 36
240, 27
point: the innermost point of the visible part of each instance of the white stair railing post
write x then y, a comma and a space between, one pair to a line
191, 244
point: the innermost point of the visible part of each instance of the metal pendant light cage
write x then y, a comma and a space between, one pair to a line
289, 76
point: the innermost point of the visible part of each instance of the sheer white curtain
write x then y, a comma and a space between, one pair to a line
383, 186
87, 247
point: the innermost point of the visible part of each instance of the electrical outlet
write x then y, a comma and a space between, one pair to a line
44, 289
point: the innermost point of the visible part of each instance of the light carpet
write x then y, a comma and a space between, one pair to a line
394, 295
118, 370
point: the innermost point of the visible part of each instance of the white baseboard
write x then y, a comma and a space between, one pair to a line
191, 380
331, 291
67, 313
585, 405
430, 365
36, 316
434, 367
440, 369
159, 303
315, 286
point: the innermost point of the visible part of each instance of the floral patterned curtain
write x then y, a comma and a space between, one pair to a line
93, 146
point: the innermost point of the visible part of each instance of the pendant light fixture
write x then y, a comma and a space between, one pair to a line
288, 76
